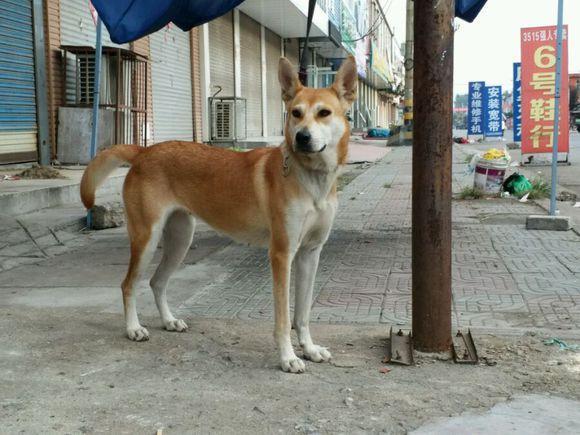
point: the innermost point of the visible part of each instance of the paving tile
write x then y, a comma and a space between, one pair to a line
544, 284
396, 309
366, 281
490, 303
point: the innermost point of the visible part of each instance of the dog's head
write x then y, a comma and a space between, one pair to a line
317, 129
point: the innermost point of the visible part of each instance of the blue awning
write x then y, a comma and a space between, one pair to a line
468, 9
128, 20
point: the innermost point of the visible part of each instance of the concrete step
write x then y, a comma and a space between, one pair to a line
20, 197
33, 237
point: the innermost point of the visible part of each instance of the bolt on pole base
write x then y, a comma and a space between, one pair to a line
463, 348
400, 349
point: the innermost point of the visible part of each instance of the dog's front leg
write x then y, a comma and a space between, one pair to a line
280, 259
306, 265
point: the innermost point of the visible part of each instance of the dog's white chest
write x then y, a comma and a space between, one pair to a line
311, 223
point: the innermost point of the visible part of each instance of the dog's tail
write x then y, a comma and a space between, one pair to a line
101, 166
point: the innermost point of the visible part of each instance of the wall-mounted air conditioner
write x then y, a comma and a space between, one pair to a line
228, 119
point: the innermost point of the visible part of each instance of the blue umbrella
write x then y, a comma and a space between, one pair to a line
128, 20
468, 9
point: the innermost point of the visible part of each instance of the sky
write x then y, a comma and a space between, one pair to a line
486, 49
396, 11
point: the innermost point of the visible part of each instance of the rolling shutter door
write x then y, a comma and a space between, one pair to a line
274, 94
77, 26
171, 82
18, 129
291, 52
221, 55
251, 73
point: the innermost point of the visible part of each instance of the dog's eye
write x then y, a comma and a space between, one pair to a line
296, 113
324, 113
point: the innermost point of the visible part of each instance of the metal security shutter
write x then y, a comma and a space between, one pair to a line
274, 94
171, 81
291, 50
251, 73
77, 26
18, 130
221, 55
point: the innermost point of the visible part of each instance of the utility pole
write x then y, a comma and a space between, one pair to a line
408, 110
432, 152
557, 108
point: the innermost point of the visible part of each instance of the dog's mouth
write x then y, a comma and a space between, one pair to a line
312, 152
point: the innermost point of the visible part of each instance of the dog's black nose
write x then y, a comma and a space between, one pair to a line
303, 139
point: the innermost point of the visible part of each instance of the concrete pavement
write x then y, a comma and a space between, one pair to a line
67, 367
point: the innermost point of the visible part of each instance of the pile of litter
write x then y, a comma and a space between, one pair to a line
562, 344
374, 133
462, 140
9, 177
38, 172
517, 184
493, 154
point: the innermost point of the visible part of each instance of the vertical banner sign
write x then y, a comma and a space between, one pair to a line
539, 89
517, 98
492, 114
475, 108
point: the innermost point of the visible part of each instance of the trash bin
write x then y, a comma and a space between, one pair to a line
490, 170
489, 175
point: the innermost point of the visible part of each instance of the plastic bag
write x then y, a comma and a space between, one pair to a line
517, 184
496, 154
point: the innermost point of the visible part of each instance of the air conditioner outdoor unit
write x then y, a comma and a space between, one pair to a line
228, 119
85, 77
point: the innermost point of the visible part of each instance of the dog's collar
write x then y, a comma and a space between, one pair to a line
285, 162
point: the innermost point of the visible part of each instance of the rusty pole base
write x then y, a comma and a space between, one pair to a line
400, 350
463, 348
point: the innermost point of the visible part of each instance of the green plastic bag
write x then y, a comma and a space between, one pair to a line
517, 184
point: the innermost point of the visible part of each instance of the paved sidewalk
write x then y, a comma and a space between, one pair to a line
505, 278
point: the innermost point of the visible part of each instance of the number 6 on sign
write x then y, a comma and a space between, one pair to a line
544, 56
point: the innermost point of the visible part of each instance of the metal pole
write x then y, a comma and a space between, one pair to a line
97, 85
45, 146
557, 108
408, 110
432, 159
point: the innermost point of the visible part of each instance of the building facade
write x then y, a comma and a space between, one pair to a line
217, 83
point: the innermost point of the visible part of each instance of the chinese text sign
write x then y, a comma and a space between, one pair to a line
517, 102
492, 118
475, 108
539, 89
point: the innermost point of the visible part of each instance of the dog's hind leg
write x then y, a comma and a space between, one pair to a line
177, 237
144, 226
143, 247
306, 264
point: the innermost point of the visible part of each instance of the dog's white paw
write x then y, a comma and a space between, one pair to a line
138, 334
293, 365
176, 325
317, 353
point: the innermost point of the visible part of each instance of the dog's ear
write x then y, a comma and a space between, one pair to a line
288, 79
345, 82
